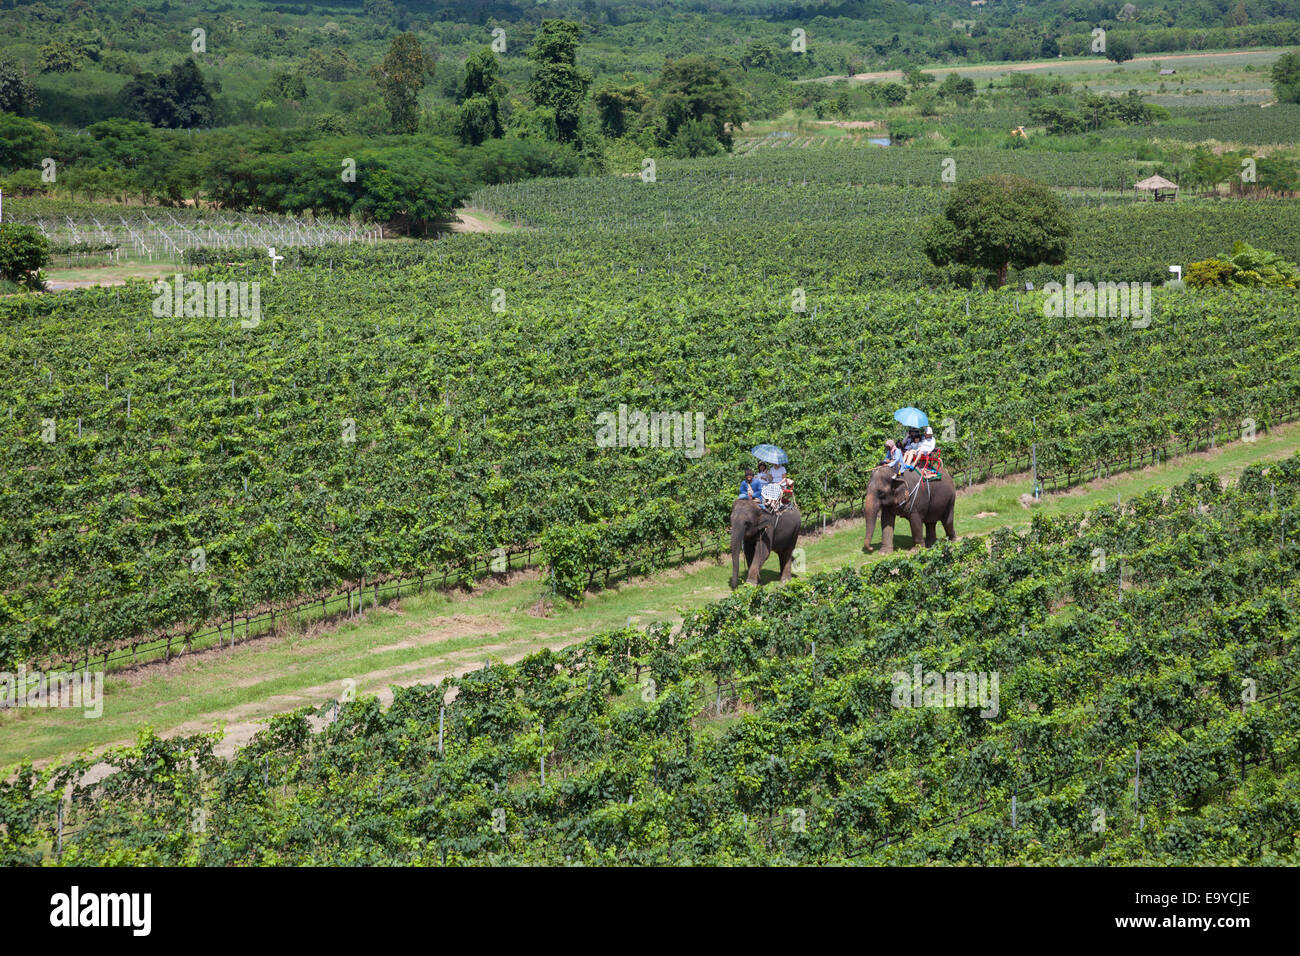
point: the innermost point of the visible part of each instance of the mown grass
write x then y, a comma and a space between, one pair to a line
425, 636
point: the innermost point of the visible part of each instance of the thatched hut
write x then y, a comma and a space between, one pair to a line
1161, 189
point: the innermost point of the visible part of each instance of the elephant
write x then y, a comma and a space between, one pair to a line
761, 533
889, 495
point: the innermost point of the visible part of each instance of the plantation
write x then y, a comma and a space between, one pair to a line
483, 472
168, 475
171, 233
1137, 671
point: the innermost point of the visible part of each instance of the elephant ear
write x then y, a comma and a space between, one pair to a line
899, 487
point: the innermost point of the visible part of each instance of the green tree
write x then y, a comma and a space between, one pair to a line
17, 93
999, 221
615, 104
558, 83
409, 189
916, 78
1057, 118
759, 55
178, 98
894, 94
401, 76
696, 138
696, 88
285, 87
1286, 77
1207, 170
482, 93
1119, 49
476, 121
59, 56
23, 142
334, 68
23, 253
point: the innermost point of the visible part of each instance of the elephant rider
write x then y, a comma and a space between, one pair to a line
922, 447
773, 496
783, 479
912, 439
751, 488
893, 455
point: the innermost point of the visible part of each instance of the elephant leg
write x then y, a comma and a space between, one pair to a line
918, 529
887, 534
930, 536
948, 524
761, 551
787, 563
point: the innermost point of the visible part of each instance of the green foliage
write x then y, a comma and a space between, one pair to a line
618, 105
24, 143
286, 87
558, 83
442, 393
696, 138
409, 188
60, 56
1119, 48
401, 76
179, 98
24, 182
1209, 273
482, 98
697, 90
23, 253
731, 741
1247, 266
1286, 77
998, 221
1063, 115
17, 92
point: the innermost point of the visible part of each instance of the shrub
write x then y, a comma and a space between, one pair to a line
1247, 266
23, 252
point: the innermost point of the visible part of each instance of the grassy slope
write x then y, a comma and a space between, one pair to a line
427, 636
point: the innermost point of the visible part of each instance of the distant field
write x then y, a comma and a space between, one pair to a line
1091, 65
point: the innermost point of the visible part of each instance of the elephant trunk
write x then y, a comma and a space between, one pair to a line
737, 541
871, 510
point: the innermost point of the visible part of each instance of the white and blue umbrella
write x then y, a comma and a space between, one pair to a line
770, 454
911, 417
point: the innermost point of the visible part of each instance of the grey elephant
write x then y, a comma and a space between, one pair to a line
761, 533
922, 503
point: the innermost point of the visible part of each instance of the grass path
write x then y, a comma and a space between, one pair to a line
110, 273
425, 637
471, 219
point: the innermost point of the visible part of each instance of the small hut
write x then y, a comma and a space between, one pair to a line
1161, 189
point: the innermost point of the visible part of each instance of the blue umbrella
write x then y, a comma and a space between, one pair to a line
770, 454
911, 417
